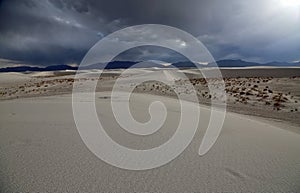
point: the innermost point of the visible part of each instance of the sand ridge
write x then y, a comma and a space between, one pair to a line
41, 150
269, 97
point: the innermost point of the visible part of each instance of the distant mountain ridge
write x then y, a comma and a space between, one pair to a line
37, 69
236, 63
150, 64
241, 63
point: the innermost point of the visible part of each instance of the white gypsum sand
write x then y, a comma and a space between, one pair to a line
41, 151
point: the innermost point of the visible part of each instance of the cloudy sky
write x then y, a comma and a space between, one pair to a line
61, 31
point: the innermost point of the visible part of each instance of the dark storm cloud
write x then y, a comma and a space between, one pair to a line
151, 53
61, 31
50, 31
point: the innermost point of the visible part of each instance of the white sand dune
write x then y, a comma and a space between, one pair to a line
45, 73
13, 77
41, 151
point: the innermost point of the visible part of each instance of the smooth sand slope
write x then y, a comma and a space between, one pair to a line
41, 151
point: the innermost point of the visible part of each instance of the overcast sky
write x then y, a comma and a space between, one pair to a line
61, 31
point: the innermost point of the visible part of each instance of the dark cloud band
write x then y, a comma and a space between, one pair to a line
61, 31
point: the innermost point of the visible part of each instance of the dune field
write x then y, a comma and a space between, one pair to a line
257, 150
